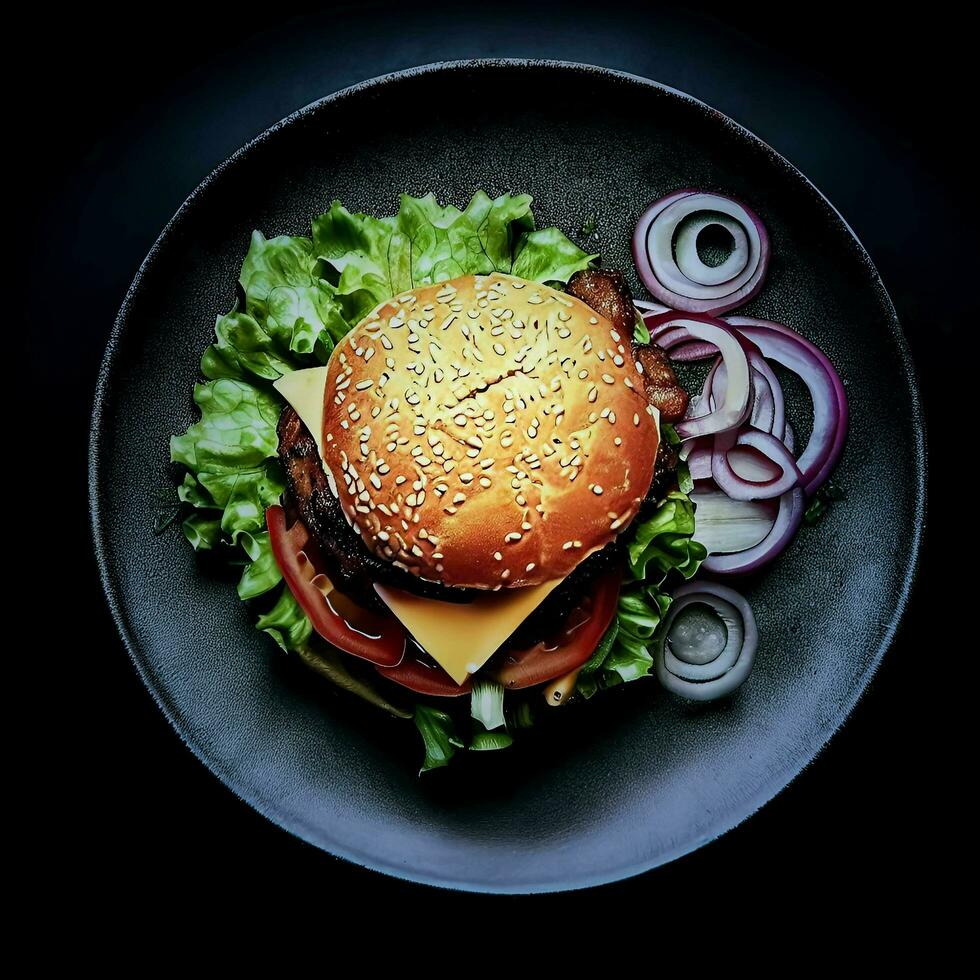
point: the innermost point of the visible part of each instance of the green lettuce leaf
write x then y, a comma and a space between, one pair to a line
658, 546
439, 736
262, 573
548, 256
285, 622
664, 542
372, 259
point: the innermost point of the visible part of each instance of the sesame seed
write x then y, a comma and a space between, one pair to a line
513, 536
465, 477
597, 490
459, 498
375, 481
498, 556
608, 378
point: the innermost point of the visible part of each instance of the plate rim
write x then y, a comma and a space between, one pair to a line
776, 782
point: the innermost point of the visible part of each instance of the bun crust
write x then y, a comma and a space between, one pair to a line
487, 432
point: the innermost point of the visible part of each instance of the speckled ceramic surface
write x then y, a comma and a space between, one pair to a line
635, 778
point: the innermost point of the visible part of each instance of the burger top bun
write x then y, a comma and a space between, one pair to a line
487, 432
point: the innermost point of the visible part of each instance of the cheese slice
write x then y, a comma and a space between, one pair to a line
304, 391
461, 637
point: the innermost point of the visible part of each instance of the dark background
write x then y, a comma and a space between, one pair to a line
117, 122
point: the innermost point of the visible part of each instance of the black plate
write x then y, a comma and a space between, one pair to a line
635, 779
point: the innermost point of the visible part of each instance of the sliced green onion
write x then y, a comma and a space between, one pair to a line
487, 703
438, 734
487, 741
520, 715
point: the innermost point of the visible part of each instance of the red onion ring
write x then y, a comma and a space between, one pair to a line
768, 408
737, 403
739, 488
692, 668
789, 437
787, 523
779, 343
726, 526
668, 264
646, 306
699, 462
830, 412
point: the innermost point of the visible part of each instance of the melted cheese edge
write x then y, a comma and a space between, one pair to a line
461, 637
304, 392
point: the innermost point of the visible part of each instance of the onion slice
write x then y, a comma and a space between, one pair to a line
788, 519
785, 346
667, 260
708, 654
726, 526
737, 402
779, 343
738, 487
646, 306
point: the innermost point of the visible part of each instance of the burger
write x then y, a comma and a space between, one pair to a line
438, 447
463, 473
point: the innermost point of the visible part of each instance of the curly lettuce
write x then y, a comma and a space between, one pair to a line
661, 545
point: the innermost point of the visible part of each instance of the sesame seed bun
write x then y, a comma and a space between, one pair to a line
487, 432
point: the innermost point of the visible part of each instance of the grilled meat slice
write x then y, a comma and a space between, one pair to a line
608, 293
662, 387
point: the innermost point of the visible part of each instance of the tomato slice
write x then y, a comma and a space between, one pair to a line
425, 678
379, 639
570, 648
